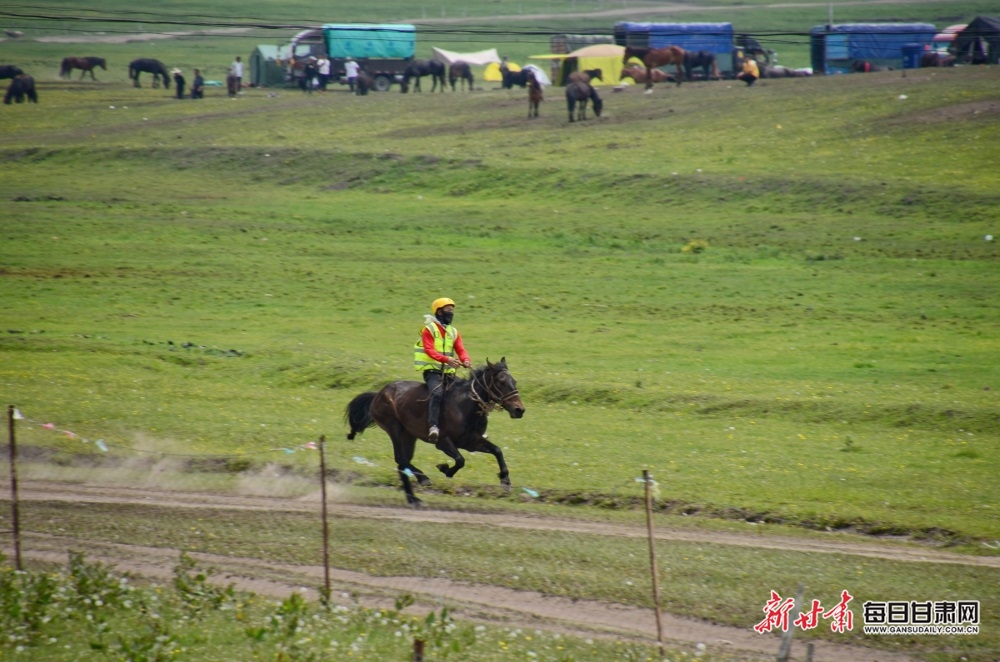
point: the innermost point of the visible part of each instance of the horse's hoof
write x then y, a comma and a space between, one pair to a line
423, 480
417, 504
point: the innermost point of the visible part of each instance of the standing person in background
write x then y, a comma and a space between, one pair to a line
179, 82
198, 85
237, 69
323, 67
437, 354
351, 70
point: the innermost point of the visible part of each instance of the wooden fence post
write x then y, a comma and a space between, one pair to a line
14, 512
785, 649
326, 527
652, 560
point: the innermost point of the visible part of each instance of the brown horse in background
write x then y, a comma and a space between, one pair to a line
460, 71
85, 64
534, 95
400, 409
656, 57
638, 74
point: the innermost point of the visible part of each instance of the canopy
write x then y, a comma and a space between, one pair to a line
479, 58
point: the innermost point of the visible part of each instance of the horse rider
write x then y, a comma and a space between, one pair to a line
437, 354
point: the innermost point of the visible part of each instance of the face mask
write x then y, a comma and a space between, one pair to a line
445, 318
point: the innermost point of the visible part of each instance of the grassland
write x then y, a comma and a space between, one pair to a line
218, 278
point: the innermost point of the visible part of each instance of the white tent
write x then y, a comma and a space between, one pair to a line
479, 58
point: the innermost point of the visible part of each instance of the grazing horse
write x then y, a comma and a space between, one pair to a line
864, 67
534, 96
9, 71
656, 57
85, 64
703, 59
460, 71
638, 74
419, 68
400, 409
585, 76
512, 78
149, 65
21, 86
577, 95
937, 60
779, 71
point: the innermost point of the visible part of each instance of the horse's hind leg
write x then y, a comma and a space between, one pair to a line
403, 447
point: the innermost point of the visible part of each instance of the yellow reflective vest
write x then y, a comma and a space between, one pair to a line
443, 344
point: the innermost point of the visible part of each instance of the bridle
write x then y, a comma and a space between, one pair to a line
493, 400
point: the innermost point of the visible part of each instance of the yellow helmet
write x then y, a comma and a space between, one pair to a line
440, 303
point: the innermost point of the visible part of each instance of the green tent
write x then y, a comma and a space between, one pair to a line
269, 64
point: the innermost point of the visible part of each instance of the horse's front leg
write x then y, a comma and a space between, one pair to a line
486, 446
448, 448
649, 79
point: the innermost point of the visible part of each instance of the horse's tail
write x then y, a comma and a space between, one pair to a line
358, 413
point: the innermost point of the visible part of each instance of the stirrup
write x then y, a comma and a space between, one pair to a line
434, 433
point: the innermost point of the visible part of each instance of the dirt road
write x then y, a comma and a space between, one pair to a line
469, 601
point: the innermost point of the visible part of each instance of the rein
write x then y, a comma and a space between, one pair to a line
493, 401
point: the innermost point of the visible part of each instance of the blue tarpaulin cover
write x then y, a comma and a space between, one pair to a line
360, 40
873, 41
713, 37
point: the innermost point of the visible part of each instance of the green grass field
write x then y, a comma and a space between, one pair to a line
219, 278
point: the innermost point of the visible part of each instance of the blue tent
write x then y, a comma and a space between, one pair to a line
717, 38
835, 47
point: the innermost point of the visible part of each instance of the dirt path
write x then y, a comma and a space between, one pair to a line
469, 601
838, 544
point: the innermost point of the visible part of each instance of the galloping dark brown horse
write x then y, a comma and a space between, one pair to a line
85, 64
400, 409
657, 57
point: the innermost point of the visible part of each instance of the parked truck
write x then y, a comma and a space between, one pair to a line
383, 51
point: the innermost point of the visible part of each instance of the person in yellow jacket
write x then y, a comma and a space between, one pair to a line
751, 72
437, 354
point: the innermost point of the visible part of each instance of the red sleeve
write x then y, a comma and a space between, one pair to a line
428, 340
463, 355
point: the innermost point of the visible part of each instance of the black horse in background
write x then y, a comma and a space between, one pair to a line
364, 83
84, 64
460, 71
420, 68
9, 71
400, 409
703, 59
577, 95
151, 66
20, 87
512, 78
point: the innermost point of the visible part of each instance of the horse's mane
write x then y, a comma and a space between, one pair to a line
477, 374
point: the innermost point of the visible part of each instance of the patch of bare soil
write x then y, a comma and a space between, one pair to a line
485, 603
972, 110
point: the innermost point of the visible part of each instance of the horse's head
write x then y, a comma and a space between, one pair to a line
502, 388
597, 102
102, 63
